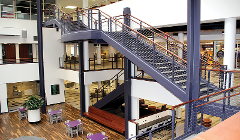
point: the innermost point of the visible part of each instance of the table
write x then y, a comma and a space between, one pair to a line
97, 136
21, 109
54, 112
72, 124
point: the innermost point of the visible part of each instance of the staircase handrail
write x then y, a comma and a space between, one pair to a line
207, 96
185, 45
169, 52
233, 71
106, 84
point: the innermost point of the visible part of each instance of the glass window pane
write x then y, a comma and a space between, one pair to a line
7, 10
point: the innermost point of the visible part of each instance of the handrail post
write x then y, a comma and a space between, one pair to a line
112, 61
141, 27
103, 62
173, 69
99, 19
167, 44
49, 13
54, 13
153, 52
88, 20
150, 135
173, 123
58, 14
69, 23
137, 44
91, 19
208, 83
110, 26
229, 86
116, 62
122, 61
78, 20
123, 35
224, 100
94, 62
202, 116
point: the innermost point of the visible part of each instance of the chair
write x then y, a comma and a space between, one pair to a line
74, 130
67, 127
80, 127
49, 116
59, 116
53, 118
89, 134
103, 133
22, 114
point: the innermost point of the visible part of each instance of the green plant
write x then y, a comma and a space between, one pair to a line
33, 103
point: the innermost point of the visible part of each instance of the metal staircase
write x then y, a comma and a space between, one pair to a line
162, 64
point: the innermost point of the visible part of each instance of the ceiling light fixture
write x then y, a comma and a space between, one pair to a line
71, 7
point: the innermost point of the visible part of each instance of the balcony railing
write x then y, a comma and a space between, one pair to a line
106, 63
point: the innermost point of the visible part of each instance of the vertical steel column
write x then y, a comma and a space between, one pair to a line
91, 19
193, 58
58, 14
127, 78
49, 13
40, 53
54, 13
153, 51
81, 77
99, 20
78, 20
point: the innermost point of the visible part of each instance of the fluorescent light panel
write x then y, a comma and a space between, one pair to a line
71, 7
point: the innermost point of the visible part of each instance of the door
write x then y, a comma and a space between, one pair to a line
24, 53
10, 53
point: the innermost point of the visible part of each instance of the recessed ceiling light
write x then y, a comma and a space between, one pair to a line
71, 7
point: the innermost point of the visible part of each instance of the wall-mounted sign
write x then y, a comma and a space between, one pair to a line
7, 15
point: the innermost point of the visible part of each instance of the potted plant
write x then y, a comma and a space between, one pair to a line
32, 105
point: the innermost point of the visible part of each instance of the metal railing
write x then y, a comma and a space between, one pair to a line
201, 114
107, 88
164, 39
105, 63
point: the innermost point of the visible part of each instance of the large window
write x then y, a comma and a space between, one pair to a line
21, 9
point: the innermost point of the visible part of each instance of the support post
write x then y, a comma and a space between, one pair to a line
193, 58
81, 77
40, 53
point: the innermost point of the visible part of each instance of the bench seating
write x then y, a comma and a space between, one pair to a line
108, 119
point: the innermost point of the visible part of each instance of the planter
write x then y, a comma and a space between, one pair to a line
34, 116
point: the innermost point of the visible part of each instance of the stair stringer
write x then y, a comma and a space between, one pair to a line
114, 94
153, 72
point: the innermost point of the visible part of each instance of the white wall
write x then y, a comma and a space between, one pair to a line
69, 75
91, 76
94, 76
158, 93
3, 99
52, 50
12, 73
161, 13
17, 25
